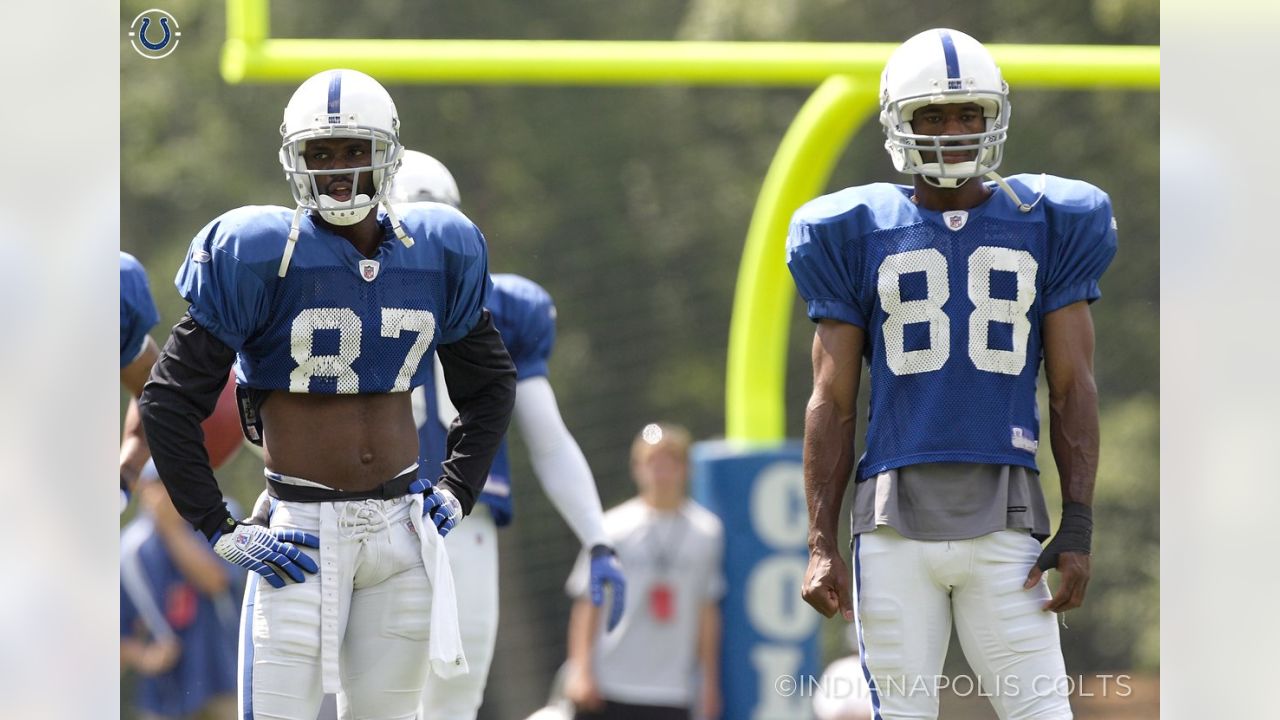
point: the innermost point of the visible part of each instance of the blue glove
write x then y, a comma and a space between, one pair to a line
605, 568
439, 504
266, 552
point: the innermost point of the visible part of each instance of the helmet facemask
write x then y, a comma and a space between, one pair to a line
305, 183
909, 149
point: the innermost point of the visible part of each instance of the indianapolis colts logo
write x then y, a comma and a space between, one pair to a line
154, 34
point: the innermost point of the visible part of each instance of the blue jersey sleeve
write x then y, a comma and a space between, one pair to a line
467, 280
138, 313
228, 297
824, 267
526, 316
1081, 246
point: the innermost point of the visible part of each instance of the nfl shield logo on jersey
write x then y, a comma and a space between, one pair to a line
956, 218
369, 269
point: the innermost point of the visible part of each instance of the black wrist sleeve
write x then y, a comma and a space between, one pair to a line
181, 392
1075, 534
482, 384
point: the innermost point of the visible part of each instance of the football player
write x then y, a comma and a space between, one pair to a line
138, 352
525, 315
327, 312
953, 290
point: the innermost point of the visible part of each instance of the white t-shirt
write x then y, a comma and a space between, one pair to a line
673, 564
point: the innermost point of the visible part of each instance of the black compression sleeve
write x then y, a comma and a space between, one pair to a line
482, 384
181, 392
1075, 534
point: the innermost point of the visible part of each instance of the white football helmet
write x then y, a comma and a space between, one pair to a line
943, 66
345, 104
422, 177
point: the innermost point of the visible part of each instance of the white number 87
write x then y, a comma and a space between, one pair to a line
349, 327
929, 309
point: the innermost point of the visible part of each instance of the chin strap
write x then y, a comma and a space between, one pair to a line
294, 230
401, 235
1022, 207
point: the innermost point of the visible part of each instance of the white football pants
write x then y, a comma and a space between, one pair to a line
906, 594
473, 555
363, 619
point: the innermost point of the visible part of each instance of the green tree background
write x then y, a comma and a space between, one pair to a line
630, 206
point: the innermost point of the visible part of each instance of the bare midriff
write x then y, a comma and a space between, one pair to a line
346, 442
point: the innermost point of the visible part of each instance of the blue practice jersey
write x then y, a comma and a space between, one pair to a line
156, 599
337, 322
138, 312
952, 304
526, 317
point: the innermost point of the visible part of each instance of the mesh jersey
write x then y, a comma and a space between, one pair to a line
526, 316
952, 305
337, 322
138, 312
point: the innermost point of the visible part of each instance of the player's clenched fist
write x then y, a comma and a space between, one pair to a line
826, 584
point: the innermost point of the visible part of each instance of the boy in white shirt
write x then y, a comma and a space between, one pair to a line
663, 660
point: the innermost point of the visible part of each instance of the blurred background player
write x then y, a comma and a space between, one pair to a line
525, 315
327, 310
138, 352
663, 661
179, 601
179, 613
954, 290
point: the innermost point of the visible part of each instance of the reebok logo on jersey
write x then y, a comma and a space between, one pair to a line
200, 256
1023, 439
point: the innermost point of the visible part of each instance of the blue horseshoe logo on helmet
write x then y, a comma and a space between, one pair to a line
142, 34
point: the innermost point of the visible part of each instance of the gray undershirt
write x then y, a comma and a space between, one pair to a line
951, 501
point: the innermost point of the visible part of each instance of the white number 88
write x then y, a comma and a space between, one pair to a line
929, 309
